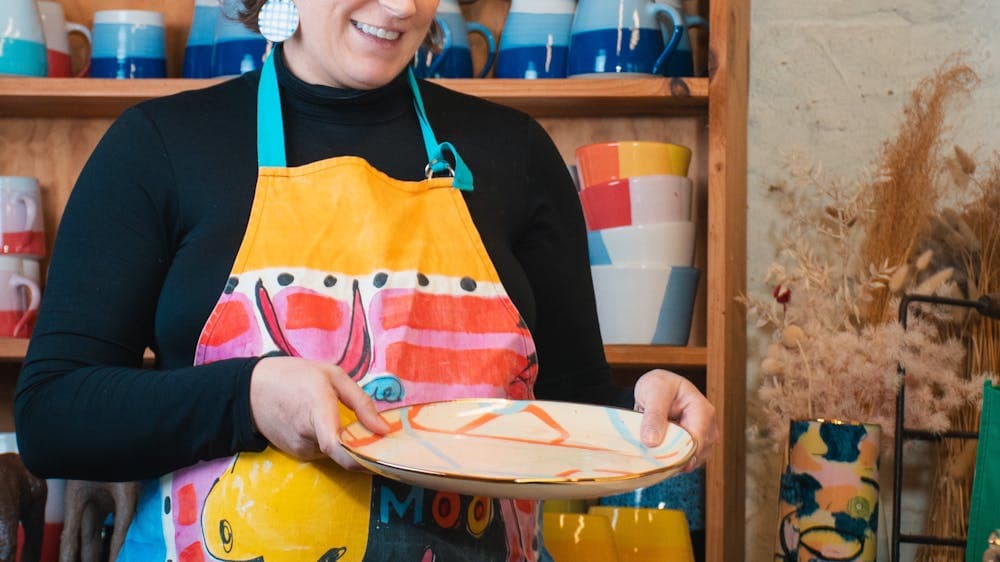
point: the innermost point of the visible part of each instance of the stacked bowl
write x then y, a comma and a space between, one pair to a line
637, 201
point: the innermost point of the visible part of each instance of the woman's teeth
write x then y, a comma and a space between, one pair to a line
377, 31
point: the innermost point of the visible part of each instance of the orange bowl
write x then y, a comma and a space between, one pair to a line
604, 162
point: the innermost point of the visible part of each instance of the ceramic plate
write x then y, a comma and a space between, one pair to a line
518, 449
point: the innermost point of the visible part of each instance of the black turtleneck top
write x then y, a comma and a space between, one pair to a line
153, 225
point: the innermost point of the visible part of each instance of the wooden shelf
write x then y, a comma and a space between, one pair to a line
100, 97
653, 356
12, 350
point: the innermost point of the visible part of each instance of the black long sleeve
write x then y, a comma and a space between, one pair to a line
153, 225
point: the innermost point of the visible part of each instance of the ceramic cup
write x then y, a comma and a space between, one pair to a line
55, 517
237, 49
19, 298
681, 63
535, 39
664, 244
684, 492
578, 537
602, 162
644, 304
637, 200
455, 58
57, 31
648, 535
22, 42
623, 37
564, 506
201, 40
128, 44
22, 231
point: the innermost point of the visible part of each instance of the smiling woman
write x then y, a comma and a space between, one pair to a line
357, 44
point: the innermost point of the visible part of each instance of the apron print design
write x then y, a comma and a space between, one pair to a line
414, 328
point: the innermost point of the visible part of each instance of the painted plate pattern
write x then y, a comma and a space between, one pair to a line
518, 448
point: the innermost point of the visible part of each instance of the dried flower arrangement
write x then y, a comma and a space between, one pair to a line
850, 249
826, 359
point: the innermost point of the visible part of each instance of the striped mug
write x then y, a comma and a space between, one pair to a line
22, 43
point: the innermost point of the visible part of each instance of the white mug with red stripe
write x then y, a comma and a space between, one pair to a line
56, 30
22, 230
20, 296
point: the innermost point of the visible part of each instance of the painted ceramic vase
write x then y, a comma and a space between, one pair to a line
829, 492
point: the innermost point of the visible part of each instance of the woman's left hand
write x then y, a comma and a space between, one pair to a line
663, 396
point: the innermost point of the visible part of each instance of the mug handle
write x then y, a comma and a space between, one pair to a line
675, 37
82, 30
34, 299
476, 27
445, 45
30, 212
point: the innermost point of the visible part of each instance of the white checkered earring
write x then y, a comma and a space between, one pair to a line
278, 20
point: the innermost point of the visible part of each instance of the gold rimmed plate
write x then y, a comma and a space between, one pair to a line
529, 449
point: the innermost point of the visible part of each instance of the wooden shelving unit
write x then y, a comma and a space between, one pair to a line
105, 98
48, 127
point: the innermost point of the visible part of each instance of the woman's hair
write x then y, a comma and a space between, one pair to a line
247, 15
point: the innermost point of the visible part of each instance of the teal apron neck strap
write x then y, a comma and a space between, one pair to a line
270, 127
271, 131
436, 162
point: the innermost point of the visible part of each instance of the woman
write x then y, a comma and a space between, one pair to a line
301, 237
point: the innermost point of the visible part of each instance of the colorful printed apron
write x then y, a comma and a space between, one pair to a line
390, 280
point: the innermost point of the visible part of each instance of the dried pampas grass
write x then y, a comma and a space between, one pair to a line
975, 254
903, 195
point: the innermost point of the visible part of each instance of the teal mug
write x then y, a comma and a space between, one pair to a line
22, 42
681, 63
623, 37
455, 57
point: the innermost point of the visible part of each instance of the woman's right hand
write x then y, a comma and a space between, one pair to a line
295, 405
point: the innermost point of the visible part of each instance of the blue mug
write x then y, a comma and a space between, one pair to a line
237, 49
684, 492
535, 40
682, 61
201, 40
455, 58
624, 37
128, 44
22, 41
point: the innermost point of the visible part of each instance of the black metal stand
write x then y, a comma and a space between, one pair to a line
988, 306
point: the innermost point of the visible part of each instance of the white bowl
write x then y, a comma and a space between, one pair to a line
644, 305
637, 200
664, 244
